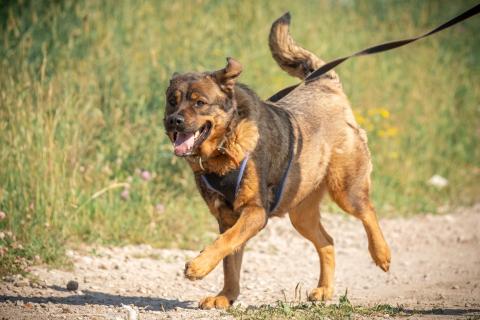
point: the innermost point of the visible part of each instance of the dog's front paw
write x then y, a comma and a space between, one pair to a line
198, 268
217, 302
321, 294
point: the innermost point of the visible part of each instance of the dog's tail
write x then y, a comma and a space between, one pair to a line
292, 58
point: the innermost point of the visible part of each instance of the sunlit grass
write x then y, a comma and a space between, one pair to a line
344, 309
81, 106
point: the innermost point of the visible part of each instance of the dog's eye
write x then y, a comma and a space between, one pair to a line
199, 103
172, 102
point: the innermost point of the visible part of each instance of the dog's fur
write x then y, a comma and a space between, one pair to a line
330, 154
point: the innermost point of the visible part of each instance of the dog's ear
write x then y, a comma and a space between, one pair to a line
172, 78
226, 77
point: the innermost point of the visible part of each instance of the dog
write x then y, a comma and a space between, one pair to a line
255, 159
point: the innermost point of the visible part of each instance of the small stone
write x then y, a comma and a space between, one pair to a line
72, 285
42, 283
19, 303
455, 287
66, 310
22, 283
438, 181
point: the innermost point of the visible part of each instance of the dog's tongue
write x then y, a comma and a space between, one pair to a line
183, 143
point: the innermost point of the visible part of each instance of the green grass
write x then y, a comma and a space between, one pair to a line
82, 93
342, 310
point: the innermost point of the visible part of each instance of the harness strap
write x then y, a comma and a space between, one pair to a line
279, 190
227, 185
223, 184
376, 49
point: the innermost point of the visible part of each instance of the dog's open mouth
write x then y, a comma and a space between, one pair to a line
185, 143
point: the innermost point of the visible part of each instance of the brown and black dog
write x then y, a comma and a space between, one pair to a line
293, 151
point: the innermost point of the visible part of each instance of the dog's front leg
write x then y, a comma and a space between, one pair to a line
250, 222
231, 287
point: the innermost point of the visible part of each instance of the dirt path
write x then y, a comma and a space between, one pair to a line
436, 264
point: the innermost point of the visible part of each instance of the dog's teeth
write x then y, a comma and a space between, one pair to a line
197, 133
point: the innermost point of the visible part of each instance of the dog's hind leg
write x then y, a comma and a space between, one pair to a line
306, 220
348, 181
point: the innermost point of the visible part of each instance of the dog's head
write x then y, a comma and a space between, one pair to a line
199, 108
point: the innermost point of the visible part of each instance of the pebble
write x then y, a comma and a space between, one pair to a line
22, 283
455, 287
72, 285
9, 278
42, 283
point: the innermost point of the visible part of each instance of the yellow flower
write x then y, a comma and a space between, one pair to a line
389, 132
360, 119
384, 113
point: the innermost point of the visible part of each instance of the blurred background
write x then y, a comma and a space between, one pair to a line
83, 154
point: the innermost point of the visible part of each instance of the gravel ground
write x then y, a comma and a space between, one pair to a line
435, 264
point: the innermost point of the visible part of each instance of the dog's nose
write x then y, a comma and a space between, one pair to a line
176, 121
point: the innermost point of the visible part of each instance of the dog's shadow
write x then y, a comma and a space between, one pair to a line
105, 299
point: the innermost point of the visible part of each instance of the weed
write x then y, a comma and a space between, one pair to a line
342, 310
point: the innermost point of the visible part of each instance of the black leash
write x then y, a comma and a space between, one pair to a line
375, 49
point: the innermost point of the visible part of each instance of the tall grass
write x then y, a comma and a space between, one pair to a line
83, 153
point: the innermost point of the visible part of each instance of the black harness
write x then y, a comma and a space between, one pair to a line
228, 185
